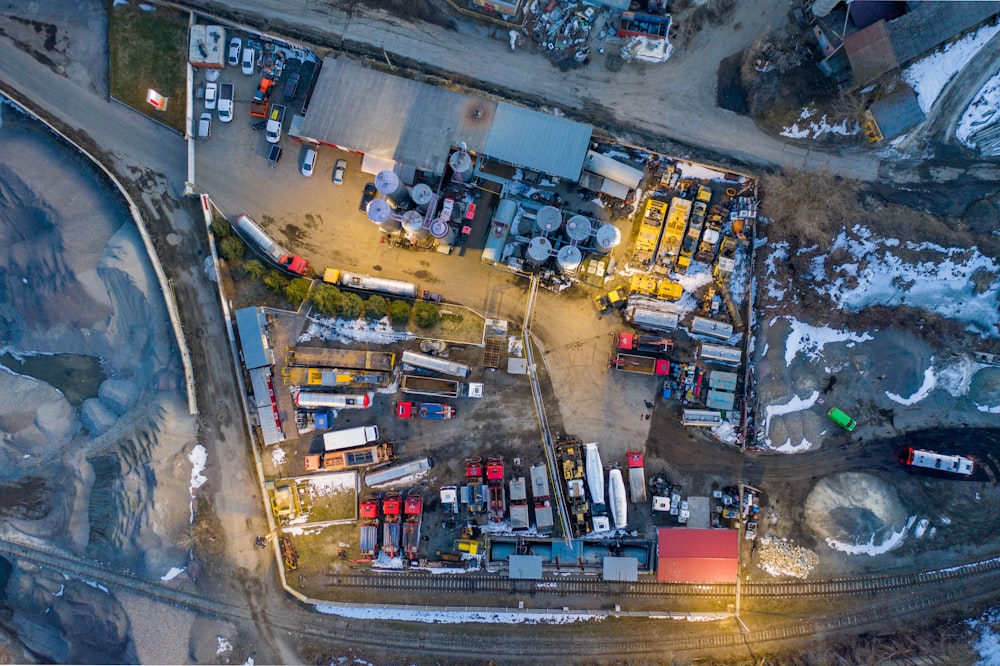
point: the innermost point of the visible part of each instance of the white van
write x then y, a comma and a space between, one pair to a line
205, 126
350, 438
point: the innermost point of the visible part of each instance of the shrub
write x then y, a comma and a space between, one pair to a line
327, 299
426, 315
254, 269
351, 306
376, 308
220, 228
231, 248
297, 290
399, 312
275, 281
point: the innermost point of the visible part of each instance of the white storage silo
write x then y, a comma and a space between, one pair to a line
388, 183
568, 258
413, 226
578, 228
548, 219
539, 250
444, 232
607, 238
380, 213
421, 195
461, 166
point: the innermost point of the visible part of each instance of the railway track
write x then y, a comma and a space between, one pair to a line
564, 585
968, 581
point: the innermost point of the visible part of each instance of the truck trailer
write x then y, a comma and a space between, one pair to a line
397, 472
646, 345
636, 475
370, 283
541, 498
255, 236
518, 504
320, 401
441, 388
333, 378
644, 365
340, 358
350, 438
436, 364
350, 459
495, 486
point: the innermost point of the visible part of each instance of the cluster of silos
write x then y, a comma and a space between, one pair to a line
568, 241
383, 216
390, 186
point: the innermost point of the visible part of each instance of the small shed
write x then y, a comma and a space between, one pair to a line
251, 324
721, 354
624, 569
894, 114
525, 567
687, 555
207, 46
711, 327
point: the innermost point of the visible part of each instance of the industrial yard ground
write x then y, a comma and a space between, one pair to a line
150, 535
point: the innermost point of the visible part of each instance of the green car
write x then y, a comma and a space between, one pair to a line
842, 419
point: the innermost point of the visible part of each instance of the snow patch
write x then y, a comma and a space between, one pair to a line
796, 404
173, 573
930, 382
447, 617
870, 548
810, 340
930, 75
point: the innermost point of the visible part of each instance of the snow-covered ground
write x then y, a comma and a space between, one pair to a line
931, 74
983, 111
805, 128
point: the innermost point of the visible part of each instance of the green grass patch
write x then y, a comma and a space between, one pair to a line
336, 506
457, 323
148, 49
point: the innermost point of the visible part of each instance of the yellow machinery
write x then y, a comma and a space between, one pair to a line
650, 286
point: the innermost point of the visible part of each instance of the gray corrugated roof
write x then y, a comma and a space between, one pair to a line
621, 568
870, 52
525, 567
266, 415
535, 140
897, 112
392, 117
250, 324
932, 23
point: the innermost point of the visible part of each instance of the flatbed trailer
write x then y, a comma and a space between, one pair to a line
340, 358
541, 498
350, 458
413, 510
440, 388
636, 475
334, 377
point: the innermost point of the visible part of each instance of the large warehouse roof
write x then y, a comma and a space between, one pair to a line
538, 141
687, 555
414, 123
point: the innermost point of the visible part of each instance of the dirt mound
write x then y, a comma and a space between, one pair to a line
855, 509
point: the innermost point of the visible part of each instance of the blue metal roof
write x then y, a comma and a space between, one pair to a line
250, 323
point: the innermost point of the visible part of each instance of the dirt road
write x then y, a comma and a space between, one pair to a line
674, 100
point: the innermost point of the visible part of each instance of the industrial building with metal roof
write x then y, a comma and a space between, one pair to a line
686, 555
356, 108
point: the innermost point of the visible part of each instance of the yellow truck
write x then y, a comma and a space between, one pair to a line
649, 233
673, 234
650, 286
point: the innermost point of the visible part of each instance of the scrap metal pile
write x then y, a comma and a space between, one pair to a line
781, 558
562, 28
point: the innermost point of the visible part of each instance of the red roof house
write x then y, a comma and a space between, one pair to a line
686, 555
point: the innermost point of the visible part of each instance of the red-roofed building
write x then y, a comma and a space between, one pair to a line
686, 555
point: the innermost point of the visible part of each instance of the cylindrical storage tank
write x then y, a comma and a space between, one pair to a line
568, 258
317, 400
505, 212
389, 184
421, 195
461, 166
578, 228
821, 8
548, 219
539, 250
413, 225
380, 213
435, 363
443, 231
607, 238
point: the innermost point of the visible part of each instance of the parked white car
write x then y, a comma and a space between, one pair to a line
235, 49
309, 162
205, 126
248, 61
338, 172
211, 95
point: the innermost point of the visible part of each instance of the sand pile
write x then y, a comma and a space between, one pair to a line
856, 513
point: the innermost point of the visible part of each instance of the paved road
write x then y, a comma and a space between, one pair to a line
674, 100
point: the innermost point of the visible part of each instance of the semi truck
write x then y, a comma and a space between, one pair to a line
363, 282
349, 438
352, 359
413, 510
636, 475
646, 345
369, 526
441, 388
644, 365
541, 498
254, 236
596, 486
392, 507
495, 485
333, 378
321, 401
434, 411
474, 490
350, 459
